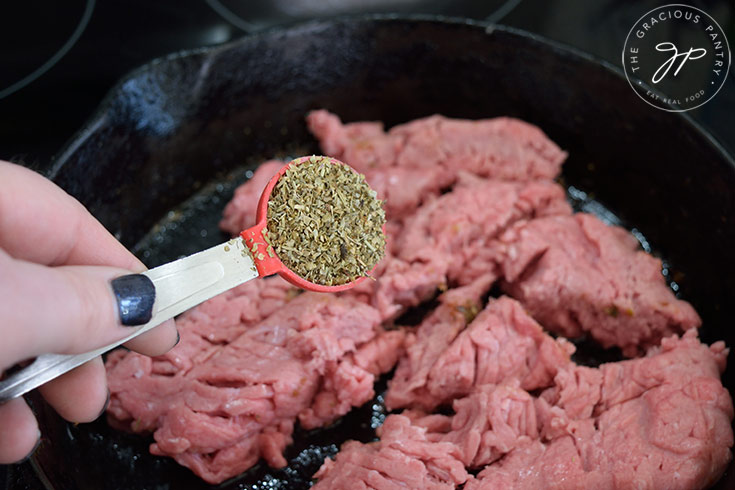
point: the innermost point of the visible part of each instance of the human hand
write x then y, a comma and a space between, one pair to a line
56, 264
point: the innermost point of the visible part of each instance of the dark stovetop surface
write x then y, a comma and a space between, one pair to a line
59, 59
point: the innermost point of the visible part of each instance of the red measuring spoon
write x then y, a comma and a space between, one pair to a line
182, 284
268, 265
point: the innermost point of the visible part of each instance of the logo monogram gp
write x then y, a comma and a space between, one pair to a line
676, 57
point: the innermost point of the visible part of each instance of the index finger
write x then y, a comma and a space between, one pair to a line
34, 210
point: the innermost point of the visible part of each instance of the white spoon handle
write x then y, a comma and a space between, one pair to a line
180, 285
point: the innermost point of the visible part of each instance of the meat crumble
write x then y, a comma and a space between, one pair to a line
483, 395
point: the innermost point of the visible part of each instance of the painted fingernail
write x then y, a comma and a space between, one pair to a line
178, 339
38, 443
107, 404
135, 294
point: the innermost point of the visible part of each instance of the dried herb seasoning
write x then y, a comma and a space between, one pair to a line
325, 223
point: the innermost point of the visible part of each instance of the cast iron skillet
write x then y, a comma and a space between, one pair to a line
191, 124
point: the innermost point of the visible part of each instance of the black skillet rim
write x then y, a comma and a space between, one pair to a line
94, 121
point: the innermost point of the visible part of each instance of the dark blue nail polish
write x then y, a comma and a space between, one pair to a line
135, 295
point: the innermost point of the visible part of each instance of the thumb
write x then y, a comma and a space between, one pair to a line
68, 309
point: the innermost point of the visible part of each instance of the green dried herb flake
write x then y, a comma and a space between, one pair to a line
325, 223
612, 311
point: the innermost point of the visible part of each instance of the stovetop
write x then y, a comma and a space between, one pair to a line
61, 58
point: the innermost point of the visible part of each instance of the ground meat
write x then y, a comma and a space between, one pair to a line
428, 343
445, 239
402, 459
486, 425
435, 449
239, 214
441, 243
403, 190
205, 329
539, 466
577, 275
413, 162
218, 408
469, 204
349, 383
500, 148
662, 421
501, 344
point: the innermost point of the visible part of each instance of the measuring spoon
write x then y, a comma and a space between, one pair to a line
183, 284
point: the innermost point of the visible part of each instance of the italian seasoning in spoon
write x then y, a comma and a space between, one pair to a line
325, 223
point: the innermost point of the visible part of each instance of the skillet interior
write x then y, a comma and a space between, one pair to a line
181, 124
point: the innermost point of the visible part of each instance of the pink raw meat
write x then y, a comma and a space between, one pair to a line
468, 203
501, 344
413, 162
658, 422
218, 408
486, 425
594, 428
349, 383
577, 275
239, 214
502, 148
443, 241
461, 222
402, 459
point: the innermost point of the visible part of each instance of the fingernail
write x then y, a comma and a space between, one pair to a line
107, 404
178, 339
135, 294
28, 456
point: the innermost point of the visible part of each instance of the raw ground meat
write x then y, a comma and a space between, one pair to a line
403, 459
443, 241
439, 244
662, 421
502, 343
239, 214
230, 392
486, 425
349, 383
658, 422
577, 275
469, 203
457, 308
414, 161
